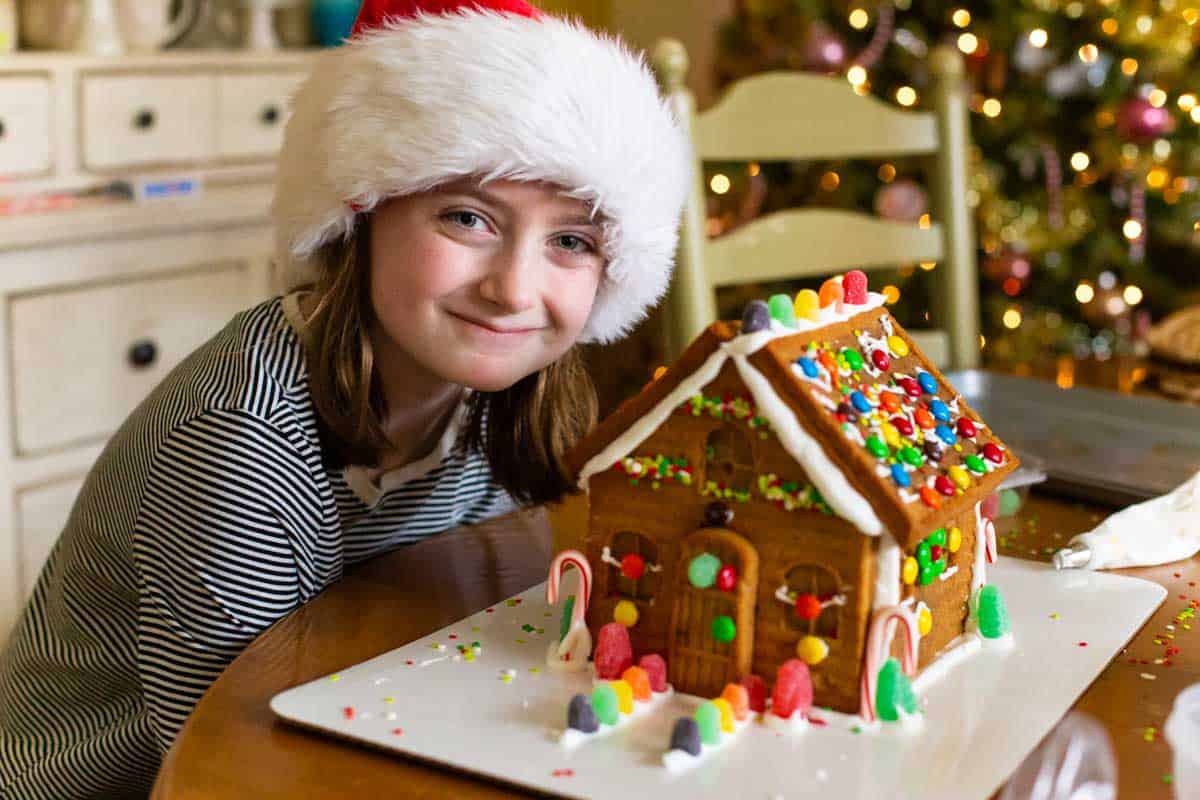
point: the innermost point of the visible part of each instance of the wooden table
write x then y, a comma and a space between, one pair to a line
232, 746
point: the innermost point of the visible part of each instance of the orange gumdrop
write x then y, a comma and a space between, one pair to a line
639, 681
923, 418
831, 292
738, 698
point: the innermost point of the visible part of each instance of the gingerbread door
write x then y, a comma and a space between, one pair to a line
712, 622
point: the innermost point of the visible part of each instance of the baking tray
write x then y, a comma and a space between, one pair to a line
1096, 445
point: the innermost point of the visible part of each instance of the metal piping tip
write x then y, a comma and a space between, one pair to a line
1072, 557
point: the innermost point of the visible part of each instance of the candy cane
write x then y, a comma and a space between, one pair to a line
989, 538
879, 640
576, 559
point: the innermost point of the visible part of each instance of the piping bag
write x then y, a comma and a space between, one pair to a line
1157, 531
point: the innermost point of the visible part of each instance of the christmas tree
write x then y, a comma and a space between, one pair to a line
1086, 149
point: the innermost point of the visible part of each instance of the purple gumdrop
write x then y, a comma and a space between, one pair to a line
793, 689
656, 669
581, 716
756, 317
685, 736
614, 653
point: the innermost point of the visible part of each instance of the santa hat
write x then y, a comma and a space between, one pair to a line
426, 91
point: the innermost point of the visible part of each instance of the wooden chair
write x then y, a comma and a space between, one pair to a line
800, 116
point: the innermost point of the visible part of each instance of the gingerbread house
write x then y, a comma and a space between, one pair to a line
782, 488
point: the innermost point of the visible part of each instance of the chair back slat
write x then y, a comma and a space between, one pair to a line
785, 116
782, 245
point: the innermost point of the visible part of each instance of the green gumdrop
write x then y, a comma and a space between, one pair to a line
723, 629
604, 703
702, 571
924, 556
564, 624
938, 537
708, 719
1010, 502
893, 692
782, 310
993, 615
876, 447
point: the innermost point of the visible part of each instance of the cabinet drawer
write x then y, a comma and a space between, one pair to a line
84, 358
139, 119
24, 126
42, 513
251, 112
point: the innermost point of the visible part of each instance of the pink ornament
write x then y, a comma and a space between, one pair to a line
793, 689
614, 653
903, 201
726, 578
823, 50
633, 566
1140, 122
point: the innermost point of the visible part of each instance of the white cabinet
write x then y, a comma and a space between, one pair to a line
99, 302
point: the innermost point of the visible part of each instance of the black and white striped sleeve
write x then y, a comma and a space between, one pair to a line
219, 550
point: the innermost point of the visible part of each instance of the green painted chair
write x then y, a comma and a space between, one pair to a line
801, 116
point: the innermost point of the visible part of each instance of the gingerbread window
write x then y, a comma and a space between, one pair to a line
633, 566
813, 596
730, 461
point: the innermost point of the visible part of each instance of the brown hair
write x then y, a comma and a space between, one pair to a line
524, 431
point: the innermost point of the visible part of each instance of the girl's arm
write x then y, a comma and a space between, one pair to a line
223, 549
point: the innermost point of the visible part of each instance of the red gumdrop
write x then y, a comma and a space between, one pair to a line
991, 506
633, 566
854, 283
656, 669
726, 578
614, 653
757, 692
793, 689
808, 606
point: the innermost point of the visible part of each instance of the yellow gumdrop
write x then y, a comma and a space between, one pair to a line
960, 477
626, 613
910, 569
807, 304
890, 435
812, 650
624, 694
954, 540
925, 621
726, 713
898, 346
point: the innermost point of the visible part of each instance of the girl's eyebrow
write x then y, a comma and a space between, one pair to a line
480, 193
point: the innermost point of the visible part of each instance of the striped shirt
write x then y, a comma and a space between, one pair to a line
209, 515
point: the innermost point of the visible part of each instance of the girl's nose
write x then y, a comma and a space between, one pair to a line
511, 282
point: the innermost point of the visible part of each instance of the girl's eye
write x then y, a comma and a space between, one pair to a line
575, 244
467, 219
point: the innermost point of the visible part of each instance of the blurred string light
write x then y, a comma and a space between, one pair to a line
891, 294
1088, 53
856, 75
906, 96
1038, 37
1084, 293
1110, 26
1157, 97
961, 17
720, 183
1132, 229
859, 19
1132, 294
887, 173
1186, 102
1129, 66
1080, 161
1012, 318
991, 107
968, 43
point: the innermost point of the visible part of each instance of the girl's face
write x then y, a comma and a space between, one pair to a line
481, 285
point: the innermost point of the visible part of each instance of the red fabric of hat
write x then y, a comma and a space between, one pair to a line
374, 13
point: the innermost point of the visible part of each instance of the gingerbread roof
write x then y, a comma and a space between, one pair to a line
880, 432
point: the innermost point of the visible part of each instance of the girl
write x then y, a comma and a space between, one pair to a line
465, 190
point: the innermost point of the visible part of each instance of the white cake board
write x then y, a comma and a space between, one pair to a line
981, 719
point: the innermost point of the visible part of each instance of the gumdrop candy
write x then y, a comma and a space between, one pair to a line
581, 716
993, 614
893, 692
854, 283
685, 736
726, 713
990, 508
738, 698
639, 681
756, 691
793, 689
780, 306
807, 305
624, 696
831, 293
756, 317
708, 717
604, 702
614, 653
656, 670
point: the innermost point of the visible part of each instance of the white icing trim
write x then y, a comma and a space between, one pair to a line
979, 575
830, 481
887, 572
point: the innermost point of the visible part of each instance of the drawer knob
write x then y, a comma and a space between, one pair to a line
143, 353
144, 120
270, 115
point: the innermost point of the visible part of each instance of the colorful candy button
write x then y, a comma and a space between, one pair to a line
924, 419
940, 411
808, 367
876, 446
927, 383
860, 401
930, 498
900, 476
944, 485
890, 401
909, 573
965, 427
853, 359
960, 477
880, 360
945, 434
898, 346
911, 456
890, 434
903, 425
975, 464
954, 540
993, 453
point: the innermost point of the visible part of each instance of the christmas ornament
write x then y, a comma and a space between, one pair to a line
1140, 122
823, 49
